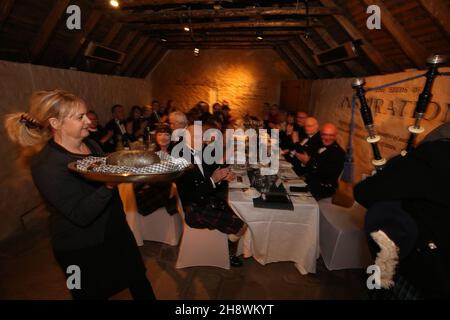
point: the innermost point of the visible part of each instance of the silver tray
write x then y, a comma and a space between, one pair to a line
126, 177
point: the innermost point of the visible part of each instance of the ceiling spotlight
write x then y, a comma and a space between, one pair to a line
114, 3
259, 35
163, 39
196, 52
187, 29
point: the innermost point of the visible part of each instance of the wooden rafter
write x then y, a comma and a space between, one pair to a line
290, 51
412, 49
159, 16
132, 54
440, 12
47, 29
297, 46
190, 44
335, 70
128, 39
354, 67
228, 33
374, 55
81, 36
138, 61
141, 3
112, 34
153, 60
231, 25
5, 10
291, 65
219, 38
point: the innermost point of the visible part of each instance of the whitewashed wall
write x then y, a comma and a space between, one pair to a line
17, 82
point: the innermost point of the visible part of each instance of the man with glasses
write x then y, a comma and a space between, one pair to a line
324, 167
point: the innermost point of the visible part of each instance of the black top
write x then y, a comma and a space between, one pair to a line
324, 169
420, 182
111, 144
79, 209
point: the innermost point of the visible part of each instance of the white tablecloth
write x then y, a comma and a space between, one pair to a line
280, 235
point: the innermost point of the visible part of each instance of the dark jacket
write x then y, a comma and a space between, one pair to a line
203, 203
323, 170
308, 145
111, 144
420, 181
79, 209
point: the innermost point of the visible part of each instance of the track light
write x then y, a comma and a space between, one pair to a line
187, 29
196, 52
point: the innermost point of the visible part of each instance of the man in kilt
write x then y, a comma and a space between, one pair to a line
202, 191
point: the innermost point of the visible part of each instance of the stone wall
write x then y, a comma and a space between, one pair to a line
17, 82
245, 78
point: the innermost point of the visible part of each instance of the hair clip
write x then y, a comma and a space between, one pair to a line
30, 122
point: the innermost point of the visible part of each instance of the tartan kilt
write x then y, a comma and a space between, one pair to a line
213, 214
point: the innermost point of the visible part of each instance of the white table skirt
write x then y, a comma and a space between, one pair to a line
280, 235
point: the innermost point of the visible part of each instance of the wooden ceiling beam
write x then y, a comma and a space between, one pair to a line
218, 33
81, 36
155, 3
230, 25
157, 56
439, 10
5, 10
46, 31
307, 58
220, 39
132, 54
204, 44
335, 70
415, 52
293, 55
352, 66
138, 61
291, 65
112, 34
159, 16
128, 39
374, 54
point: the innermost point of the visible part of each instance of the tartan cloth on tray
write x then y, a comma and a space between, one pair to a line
168, 164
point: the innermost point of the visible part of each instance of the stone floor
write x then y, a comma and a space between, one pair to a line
29, 271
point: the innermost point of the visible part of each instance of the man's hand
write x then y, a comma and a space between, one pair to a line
230, 176
303, 157
220, 174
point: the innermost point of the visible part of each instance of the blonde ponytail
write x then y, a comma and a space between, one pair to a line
31, 130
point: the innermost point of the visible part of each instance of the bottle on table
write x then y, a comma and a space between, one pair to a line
119, 143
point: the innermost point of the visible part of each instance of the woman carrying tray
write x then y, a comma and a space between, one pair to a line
87, 224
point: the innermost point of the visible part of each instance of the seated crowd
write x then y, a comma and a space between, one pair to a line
312, 150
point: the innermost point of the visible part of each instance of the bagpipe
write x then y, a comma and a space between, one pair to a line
434, 62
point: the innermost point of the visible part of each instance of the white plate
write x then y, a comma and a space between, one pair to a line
252, 193
239, 185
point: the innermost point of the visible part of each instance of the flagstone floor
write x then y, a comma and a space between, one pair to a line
29, 271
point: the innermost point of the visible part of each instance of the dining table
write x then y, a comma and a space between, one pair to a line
274, 234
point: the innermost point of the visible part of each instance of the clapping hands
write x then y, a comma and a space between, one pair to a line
221, 174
